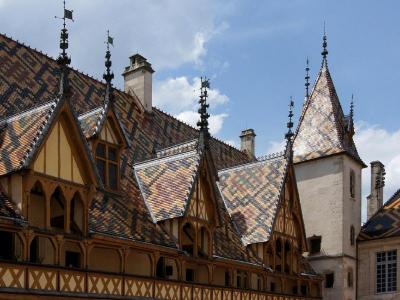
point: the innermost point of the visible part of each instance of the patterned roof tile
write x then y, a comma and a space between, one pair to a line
166, 183
251, 194
8, 209
323, 128
385, 222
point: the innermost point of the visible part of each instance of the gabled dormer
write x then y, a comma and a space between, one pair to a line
107, 140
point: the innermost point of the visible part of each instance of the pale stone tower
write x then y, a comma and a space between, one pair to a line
328, 171
248, 142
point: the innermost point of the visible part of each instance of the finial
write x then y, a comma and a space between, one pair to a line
203, 123
307, 78
324, 52
63, 60
108, 75
352, 106
289, 125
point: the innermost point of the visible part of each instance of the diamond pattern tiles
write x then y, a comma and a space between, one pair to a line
251, 194
7, 208
166, 183
385, 223
322, 128
16, 136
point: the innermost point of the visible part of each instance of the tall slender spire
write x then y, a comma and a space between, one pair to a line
204, 115
352, 107
350, 126
324, 52
109, 75
63, 60
307, 79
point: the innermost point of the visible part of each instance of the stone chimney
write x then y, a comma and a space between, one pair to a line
138, 79
248, 142
375, 199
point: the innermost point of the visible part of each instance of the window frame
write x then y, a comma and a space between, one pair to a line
107, 162
352, 235
352, 183
387, 265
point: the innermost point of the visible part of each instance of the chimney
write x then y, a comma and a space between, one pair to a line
248, 142
375, 199
138, 79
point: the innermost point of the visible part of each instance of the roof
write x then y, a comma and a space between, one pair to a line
385, 222
166, 183
323, 128
251, 193
28, 82
20, 134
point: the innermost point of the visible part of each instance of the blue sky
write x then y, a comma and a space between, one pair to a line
253, 51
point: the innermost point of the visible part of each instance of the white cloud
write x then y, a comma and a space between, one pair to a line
215, 121
275, 146
376, 143
178, 94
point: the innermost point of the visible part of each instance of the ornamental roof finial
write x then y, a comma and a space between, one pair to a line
63, 60
324, 52
204, 115
307, 79
109, 75
289, 134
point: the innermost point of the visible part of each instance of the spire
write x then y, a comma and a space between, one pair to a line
351, 115
307, 78
109, 75
203, 123
63, 60
352, 107
324, 52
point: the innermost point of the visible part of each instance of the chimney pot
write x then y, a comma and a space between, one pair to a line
248, 142
138, 79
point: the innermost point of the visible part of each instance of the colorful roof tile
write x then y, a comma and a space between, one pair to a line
322, 129
251, 194
385, 222
8, 209
167, 182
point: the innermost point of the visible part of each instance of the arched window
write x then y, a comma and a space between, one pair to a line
37, 206
76, 215
352, 184
188, 238
42, 251
57, 210
352, 235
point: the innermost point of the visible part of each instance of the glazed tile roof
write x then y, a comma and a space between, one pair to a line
17, 136
28, 80
251, 194
385, 222
89, 121
323, 129
167, 182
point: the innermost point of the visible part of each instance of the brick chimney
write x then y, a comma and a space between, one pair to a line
248, 142
138, 79
375, 199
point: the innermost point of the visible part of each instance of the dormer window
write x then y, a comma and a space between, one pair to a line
107, 164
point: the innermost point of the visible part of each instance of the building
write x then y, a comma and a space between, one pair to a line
103, 195
379, 243
328, 172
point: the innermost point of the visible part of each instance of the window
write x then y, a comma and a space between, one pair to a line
329, 280
107, 165
72, 259
350, 278
190, 275
315, 244
272, 287
352, 235
227, 278
386, 271
11, 246
352, 184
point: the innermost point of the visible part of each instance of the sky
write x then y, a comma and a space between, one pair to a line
254, 53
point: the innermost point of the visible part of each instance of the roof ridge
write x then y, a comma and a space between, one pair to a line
267, 158
153, 161
25, 112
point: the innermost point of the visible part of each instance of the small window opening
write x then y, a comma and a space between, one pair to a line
315, 244
329, 280
189, 275
72, 259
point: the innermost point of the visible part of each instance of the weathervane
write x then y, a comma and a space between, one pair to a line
63, 60
108, 76
203, 123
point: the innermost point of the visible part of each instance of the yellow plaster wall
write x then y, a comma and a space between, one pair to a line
103, 259
56, 157
138, 264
